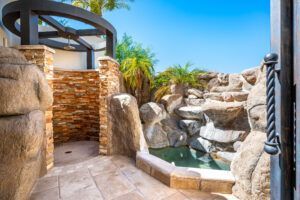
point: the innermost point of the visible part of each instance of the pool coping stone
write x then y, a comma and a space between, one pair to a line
207, 180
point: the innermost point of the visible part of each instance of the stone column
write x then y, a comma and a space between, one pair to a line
110, 84
42, 56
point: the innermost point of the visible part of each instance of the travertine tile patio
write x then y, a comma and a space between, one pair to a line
109, 178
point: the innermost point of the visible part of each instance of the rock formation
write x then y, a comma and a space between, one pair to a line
251, 166
126, 126
24, 95
227, 120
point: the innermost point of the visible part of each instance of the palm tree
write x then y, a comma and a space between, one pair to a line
178, 75
99, 6
136, 65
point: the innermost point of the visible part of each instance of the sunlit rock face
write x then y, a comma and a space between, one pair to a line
127, 138
23, 86
251, 168
24, 97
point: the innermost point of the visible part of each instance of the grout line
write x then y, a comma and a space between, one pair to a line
183, 194
59, 192
124, 174
98, 188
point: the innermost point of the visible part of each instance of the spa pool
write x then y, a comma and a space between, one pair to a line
186, 157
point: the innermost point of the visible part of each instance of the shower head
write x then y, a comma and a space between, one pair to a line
69, 47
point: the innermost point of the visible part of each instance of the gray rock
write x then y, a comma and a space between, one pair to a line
226, 156
245, 163
202, 145
23, 86
155, 136
190, 112
194, 102
152, 113
21, 143
256, 104
237, 145
127, 132
211, 133
177, 138
195, 92
213, 96
223, 113
191, 96
192, 127
171, 102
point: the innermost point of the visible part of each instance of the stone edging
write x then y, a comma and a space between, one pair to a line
35, 47
108, 58
206, 180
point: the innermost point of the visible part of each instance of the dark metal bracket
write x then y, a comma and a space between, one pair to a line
272, 145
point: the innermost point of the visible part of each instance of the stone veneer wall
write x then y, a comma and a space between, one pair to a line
110, 84
76, 105
42, 56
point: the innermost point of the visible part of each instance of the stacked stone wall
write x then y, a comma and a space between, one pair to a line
76, 105
110, 84
42, 56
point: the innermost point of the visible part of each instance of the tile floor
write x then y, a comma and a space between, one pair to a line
109, 178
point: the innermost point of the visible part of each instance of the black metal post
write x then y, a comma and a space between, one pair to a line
110, 45
282, 44
90, 59
29, 27
273, 142
297, 97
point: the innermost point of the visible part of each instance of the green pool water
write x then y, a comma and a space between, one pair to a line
186, 157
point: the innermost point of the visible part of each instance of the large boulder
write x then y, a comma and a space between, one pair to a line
250, 168
192, 127
152, 113
210, 132
21, 143
171, 102
193, 102
127, 131
256, 103
201, 144
235, 85
23, 86
225, 156
177, 138
223, 113
178, 89
191, 112
197, 93
214, 96
155, 136
250, 75
235, 96
207, 76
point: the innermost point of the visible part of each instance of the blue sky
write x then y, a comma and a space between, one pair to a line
217, 35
